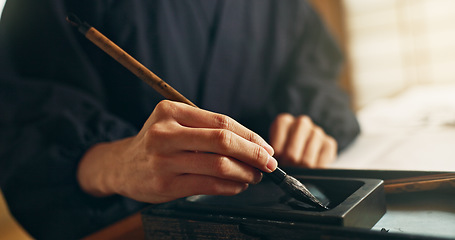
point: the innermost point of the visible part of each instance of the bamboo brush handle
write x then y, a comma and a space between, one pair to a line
135, 67
422, 183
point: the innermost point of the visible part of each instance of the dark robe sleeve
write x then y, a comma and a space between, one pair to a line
52, 111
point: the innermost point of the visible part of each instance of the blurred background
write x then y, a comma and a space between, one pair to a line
392, 45
400, 74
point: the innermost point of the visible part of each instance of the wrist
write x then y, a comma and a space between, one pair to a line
96, 172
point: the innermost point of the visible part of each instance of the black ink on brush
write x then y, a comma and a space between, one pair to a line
294, 188
288, 184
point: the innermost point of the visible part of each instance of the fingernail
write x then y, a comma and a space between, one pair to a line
257, 177
271, 164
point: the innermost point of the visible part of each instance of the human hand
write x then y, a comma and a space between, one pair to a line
297, 141
180, 151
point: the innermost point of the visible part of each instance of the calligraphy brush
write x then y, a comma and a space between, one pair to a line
420, 183
287, 183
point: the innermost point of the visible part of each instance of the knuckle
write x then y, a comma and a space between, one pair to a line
222, 166
284, 118
158, 136
162, 105
222, 121
260, 155
157, 133
304, 120
224, 139
252, 137
165, 107
154, 130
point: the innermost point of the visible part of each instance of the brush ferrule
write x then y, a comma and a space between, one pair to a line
83, 27
277, 176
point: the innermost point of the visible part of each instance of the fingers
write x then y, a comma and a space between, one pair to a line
213, 165
298, 138
178, 127
226, 143
279, 132
193, 184
198, 118
311, 154
298, 141
328, 152
170, 188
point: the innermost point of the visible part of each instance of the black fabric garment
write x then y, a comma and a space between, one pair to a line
59, 94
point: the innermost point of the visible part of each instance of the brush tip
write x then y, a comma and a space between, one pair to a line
298, 191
